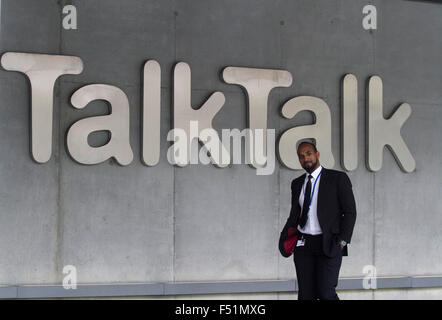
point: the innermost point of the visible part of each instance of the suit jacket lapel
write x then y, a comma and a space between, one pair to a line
299, 187
298, 190
322, 190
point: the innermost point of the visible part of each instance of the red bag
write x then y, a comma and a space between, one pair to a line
290, 242
287, 241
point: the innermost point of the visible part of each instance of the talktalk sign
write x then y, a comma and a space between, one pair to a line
192, 125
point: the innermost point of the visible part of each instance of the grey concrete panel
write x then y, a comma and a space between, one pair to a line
8, 292
234, 241
390, 294
28, 192
325, 33
33, 292
228, 232
116, 38
287, 296
409, 294
408, 50
426, 282
30, 26
407, 228
408, 238
424, 294
399, 282
211, 35
117, 223
355, 294
229, 287
234, 296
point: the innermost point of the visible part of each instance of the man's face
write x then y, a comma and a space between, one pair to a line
308, 158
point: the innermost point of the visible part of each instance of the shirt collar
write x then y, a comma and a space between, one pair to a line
315, 173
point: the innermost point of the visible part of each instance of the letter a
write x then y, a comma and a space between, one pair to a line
117, 123
320, 131
369, 22
70, 20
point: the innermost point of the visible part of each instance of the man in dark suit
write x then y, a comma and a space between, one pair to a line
324, 213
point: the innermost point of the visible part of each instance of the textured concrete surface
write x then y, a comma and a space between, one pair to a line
409, 294
116, 221
115, 38
28, 192
201, 223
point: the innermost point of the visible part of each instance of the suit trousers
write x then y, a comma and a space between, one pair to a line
317, 273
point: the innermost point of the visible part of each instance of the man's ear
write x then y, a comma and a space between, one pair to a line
317, 154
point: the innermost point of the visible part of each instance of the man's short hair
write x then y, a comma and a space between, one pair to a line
307, 142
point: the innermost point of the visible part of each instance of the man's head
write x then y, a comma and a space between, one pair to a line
308, 156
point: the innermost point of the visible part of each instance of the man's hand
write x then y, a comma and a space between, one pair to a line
342, 244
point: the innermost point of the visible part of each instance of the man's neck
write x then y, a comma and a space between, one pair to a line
313, 169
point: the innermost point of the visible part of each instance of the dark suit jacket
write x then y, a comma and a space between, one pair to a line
336, 209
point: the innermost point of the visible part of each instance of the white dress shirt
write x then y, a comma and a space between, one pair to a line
312, 225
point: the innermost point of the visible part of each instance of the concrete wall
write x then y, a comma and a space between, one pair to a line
200, 223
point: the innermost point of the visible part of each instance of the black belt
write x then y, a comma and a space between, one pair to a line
307, 236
